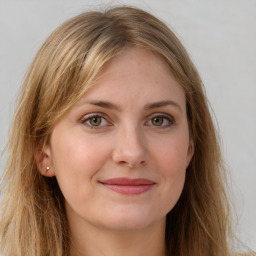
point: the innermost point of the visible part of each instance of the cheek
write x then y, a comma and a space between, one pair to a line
173, 170
77, 154
75, 162
172, 153
171, 157
173, 173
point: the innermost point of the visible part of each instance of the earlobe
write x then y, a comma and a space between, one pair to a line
44, 162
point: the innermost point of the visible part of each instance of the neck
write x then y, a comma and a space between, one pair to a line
95, 241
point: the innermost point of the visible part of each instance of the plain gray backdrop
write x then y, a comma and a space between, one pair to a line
220, 36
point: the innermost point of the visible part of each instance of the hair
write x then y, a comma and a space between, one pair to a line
33, 219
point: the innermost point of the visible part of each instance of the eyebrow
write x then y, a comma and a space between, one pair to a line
158, 104
105, 104
164, 103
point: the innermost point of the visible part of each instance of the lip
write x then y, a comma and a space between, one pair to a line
128, 186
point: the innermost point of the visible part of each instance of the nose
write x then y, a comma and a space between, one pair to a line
130, 148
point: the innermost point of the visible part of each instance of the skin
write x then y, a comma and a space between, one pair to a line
128, 141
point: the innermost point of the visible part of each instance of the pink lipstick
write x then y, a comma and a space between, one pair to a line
128, 186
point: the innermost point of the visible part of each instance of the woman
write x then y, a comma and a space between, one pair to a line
112, 149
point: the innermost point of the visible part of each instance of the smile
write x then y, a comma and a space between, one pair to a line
128, 186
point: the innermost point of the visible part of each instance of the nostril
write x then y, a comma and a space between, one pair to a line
131, 164
130, 153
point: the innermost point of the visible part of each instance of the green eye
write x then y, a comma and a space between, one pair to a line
158, 121
95, 121
161, 121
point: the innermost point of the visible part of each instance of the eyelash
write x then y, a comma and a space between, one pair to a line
166, 118
89, 117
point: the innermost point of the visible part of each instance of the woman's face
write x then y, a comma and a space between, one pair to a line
120, 154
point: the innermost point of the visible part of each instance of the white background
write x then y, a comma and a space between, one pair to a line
220, 36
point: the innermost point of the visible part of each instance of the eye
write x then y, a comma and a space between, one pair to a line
161, 121
94, 120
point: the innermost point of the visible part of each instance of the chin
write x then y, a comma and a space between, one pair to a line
131, 220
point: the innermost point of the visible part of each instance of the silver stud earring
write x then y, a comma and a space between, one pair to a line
47, 168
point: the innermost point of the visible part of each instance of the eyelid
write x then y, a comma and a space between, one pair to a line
88, 116
91, 115
169, 117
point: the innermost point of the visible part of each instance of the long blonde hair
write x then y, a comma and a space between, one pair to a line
33, 220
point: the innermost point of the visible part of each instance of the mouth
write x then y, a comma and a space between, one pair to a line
128, 186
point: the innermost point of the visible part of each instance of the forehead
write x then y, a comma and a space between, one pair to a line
138, 74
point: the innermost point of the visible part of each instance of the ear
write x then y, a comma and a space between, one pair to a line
190, 152
44, 161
